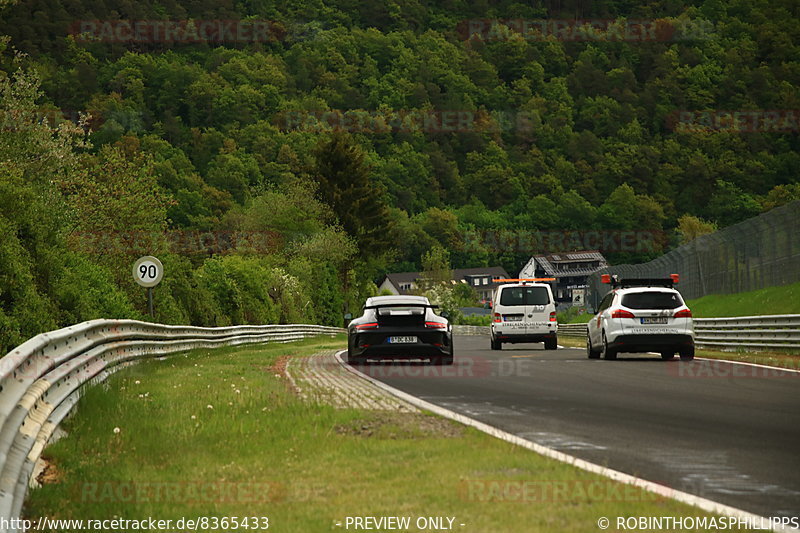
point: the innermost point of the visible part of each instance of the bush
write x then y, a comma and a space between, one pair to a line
85, 290
475, 320
241, 288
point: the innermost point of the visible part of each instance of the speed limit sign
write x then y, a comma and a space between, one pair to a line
148, 271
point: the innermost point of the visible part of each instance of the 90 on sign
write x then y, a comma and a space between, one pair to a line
148, 271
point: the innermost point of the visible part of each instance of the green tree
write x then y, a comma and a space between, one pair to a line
690, 227
729, 204
359, 204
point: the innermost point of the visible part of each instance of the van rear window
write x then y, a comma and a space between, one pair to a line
524, 296
652, 300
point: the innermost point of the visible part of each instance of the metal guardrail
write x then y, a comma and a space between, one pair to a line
42, 379
747, 332
470, 330
756, 332
572, 330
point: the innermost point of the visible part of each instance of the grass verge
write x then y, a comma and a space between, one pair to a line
219, 433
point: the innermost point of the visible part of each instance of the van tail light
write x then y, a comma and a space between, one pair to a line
621, 313
368, 325
497, 317
684, 313
605, 278
552, 316
436, 325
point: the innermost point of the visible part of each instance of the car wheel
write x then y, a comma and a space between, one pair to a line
667, 355
496, 344
351, 359
608, 353
592, 353
551, 344
687, 354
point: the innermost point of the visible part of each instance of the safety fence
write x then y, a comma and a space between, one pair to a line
42, 379
763, 251
745, 332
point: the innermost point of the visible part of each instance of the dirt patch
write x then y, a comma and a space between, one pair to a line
388, 425
50, 474
279, 366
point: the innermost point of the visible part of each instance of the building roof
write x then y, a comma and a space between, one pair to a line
549, 263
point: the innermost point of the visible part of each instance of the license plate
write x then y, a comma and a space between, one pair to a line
512, 318
656, 320
401, 340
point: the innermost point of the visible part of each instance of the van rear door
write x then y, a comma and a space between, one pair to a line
524, 309
537, 300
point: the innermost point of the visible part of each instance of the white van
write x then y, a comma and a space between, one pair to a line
524, 312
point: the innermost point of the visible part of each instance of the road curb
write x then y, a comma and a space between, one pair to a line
661, 490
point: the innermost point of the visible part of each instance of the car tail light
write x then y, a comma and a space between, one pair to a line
675, 278
368, 325
621, 313
497, 317
605, 278
552, 316
684, 313
436, 325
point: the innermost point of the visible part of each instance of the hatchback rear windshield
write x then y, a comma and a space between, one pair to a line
652, 300
524, 296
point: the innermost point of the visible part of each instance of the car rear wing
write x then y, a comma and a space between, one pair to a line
380, 306
388, 307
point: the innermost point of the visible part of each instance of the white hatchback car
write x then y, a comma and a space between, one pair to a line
641, 315
524, 312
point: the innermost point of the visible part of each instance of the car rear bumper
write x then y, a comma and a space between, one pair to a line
373, 345
525, 337
655, 342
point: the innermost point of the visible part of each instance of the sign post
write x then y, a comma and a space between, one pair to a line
147, 272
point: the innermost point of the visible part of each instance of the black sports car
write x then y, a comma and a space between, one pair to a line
400, 327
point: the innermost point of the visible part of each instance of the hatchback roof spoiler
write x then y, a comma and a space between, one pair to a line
639, 282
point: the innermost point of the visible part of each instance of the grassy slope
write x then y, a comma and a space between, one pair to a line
782, 300
325, 463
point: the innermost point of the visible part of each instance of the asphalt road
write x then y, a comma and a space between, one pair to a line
729, 433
